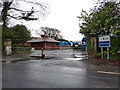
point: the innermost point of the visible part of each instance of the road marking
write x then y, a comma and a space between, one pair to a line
108, 72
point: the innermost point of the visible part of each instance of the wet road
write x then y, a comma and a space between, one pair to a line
52, 73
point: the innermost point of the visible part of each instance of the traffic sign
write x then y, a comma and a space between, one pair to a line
104, 41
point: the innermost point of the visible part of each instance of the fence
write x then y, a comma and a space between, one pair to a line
62, 52
18, 49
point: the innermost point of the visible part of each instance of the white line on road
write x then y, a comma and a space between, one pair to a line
108, 72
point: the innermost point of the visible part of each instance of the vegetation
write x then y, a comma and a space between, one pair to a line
18, 34
13, 10
51, 32
18, 45
103, 19
63, 40
115, 46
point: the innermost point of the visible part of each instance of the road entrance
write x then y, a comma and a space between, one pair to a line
62, 53
57, 53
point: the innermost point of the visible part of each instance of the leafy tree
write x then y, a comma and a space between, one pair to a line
7, 34
102, 20
51, 32
18, 34
12, 10
22, 34
63, 40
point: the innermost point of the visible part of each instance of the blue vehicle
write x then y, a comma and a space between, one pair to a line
84, 44
64, 44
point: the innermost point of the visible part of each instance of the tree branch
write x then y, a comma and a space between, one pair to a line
14, 17
21, 10
42, 5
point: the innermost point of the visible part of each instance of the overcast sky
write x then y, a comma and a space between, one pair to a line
63, 16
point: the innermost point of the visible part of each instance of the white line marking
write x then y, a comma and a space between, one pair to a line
108, 72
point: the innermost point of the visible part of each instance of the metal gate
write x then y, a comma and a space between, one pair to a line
61, 53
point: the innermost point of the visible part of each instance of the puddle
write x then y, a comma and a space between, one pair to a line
14, 61
40, 58
77, 57
72, 58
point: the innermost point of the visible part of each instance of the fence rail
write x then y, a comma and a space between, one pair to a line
43, 48
21, 49
62, 52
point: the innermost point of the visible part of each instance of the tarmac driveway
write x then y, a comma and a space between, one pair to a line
58, 73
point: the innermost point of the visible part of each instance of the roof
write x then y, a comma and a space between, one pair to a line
42, 39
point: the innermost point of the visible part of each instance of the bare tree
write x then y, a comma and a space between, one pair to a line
12, 9
51, 32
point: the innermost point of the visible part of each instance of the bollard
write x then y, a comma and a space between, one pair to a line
43, 55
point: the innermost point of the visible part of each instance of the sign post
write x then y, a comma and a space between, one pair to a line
101, 52
104, 41
108, 54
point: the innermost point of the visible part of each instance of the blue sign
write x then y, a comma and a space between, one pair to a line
104, 41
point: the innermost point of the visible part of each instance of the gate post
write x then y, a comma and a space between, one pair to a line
8, 48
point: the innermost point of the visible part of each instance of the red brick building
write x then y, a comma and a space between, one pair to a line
44, 42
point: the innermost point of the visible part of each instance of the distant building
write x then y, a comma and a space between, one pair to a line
45, 42
62, 43
76, 43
